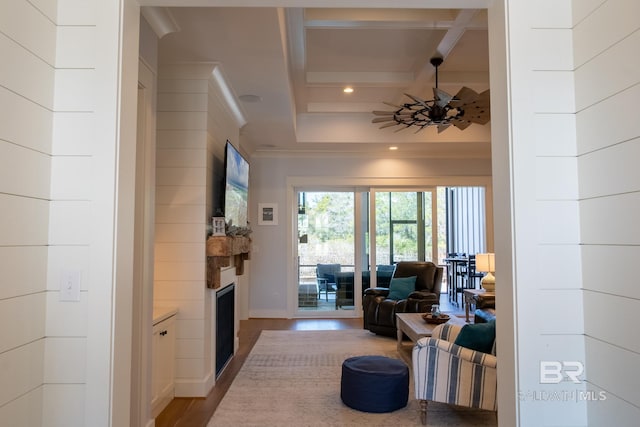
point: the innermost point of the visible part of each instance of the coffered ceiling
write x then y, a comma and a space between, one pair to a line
289, 66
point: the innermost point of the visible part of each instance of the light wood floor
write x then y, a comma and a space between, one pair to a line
196, 412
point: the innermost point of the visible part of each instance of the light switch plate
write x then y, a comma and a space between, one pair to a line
70, 285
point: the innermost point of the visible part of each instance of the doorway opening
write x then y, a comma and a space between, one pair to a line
344, 235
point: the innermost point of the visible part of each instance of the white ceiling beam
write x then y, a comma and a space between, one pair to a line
360, 77
416, 4
446, 45
297, 56
161, 20
404, 19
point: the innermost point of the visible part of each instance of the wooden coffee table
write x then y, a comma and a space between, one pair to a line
415, 327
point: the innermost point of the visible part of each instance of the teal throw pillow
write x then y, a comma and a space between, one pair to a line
401, 287
479, 336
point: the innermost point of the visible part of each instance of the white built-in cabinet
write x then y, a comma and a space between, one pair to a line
163, 351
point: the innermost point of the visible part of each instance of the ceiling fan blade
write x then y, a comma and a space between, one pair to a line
443, 127
383, 113
442, 98
461, 124
382, 119
479, 119
478, 111
483, 100
391, 105
485, 95
423, 127
420, 101
402, 128
389, 125
464, 96
477, 114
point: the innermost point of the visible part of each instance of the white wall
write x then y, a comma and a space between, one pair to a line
58, 188
537, 34
272, 263
540, 279
606, 39
193, 126
27, 81
70, 224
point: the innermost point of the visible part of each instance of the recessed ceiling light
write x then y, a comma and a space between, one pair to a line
348, 89
250, 98
393, 148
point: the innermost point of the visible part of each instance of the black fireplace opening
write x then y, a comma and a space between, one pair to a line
225, 321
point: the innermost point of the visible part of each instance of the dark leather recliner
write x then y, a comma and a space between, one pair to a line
380, 312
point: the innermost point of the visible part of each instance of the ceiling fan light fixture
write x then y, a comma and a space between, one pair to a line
443, 111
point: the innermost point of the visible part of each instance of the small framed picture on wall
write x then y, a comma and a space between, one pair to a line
267, 214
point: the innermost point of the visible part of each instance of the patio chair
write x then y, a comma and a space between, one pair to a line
326, 278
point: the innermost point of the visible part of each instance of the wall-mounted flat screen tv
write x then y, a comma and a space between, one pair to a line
236, 186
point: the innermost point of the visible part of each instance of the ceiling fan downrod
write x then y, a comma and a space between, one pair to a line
436, 61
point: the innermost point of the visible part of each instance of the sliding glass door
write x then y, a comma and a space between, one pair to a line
326, 250
405, 226
343, 235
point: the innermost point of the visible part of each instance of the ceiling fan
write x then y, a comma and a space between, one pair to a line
444, 110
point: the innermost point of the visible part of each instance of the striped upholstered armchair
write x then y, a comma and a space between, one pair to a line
449, 373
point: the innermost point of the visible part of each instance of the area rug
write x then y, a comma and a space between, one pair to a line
292, 378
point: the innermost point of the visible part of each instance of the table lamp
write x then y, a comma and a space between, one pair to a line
486, 263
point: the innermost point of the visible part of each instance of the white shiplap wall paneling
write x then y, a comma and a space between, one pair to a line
24, 222
181, 176
16, 111
609, 376
73, 133
555, 134
611, 269
181, 139
19, 18
609, 220
56, 402
65, 360
612, 170
557, 178
24, 270
16, 179
25, 374
619, 17
21, 322
179, 251
610, 72
29, 75
593, 136
551, 265
556, 222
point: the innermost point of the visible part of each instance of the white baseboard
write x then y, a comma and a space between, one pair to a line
268, 314
194, 387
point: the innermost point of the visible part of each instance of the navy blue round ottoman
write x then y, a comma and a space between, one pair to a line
374, 383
